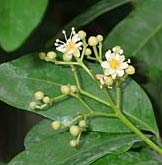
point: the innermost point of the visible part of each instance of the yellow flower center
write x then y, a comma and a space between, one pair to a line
70, 46
114, 63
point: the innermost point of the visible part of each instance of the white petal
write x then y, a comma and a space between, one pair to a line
75, 38
104, 64
113, 76
79, 44
61, 48
108, 54
120, 73
124, 65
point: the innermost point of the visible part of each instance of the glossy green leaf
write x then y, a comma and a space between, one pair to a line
92, 13
18, 19
140, 36
141, 157
55, 149
22, 77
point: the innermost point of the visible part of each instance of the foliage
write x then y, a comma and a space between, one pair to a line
117, 140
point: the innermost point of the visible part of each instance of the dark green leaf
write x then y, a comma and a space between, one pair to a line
22, 77
91, 13
55, 149
141, 157
18, 19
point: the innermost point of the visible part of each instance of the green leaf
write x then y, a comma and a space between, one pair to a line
22, 77
55, 149
90, 14
18, 19
141, 157
140, 36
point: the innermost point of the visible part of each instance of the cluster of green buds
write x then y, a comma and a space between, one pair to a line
49, 56
74, 129
69, 89
41, 101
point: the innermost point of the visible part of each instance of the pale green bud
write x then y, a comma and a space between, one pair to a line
88, 52
65, 89
83, 124
46, 100
51, 55
56, 125
108, 81
82, 34
42, 55
67, 57
39, 95
73, 88
74, 130
33, 105
130, 70
92, 41
99, 38
73, 143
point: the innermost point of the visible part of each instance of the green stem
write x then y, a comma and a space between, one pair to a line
83, 52
85, 104
94, 97
96, 54
100, 50
66, 63
139, 133
91, 58
101, 114
109, 97
75, 76
58, 97
118, 95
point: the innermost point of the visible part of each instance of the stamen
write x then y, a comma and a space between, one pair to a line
64, 32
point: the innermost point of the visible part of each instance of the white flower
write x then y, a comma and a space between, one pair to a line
114, 65
71, 44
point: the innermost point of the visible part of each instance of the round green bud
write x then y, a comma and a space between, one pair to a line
108, 81
73, 143
42, 55
92, 41
73, 88
99, 38
88, 52
82, 34
130, 70
67, 57
33, 105
83, 124
74, 130
56, 125
65, 89
51, 55
39, 95
46, 100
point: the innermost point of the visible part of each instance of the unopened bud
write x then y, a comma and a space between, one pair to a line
65, 89
76, 53
46, 100
51, 55
130, 70
99, 38
56, 125
73, 88
82, 34
83, 124
74, 130
67, 57
108, 81
92, 41
88, 52
39, 95
42, 55
33, 105
73, 143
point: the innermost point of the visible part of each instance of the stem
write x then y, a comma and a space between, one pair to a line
75, 76
91, 58
118, 95
66, 63
100, 50
108, 97
85, 104
94, 97
83, 52
96, 53
101, 114
58, 97
139, 133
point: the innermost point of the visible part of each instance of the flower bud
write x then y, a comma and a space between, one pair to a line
83, 124
82, 34
76, 53
117, 50
73, 88
108, 81
42, 55
92, 41
46, 100
65, 89
99, 38
74, 130
88, 52
67, 57
130, 70
51, 55
56, 125
33, 105
73, 143
39, 95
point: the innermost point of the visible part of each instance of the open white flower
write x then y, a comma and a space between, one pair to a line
114, 65
71, 44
